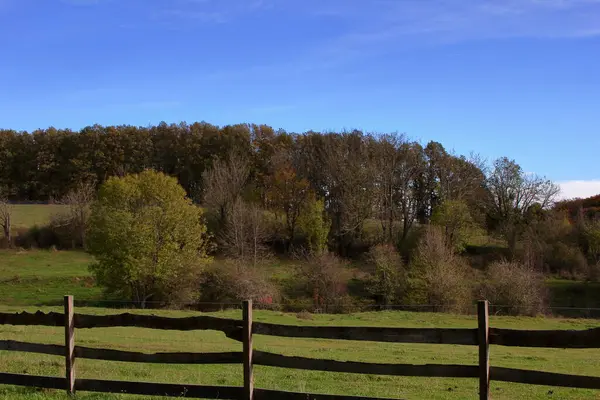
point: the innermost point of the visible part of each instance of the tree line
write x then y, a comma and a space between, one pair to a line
358, 177
416, 214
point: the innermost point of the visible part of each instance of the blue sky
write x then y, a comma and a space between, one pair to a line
516, 78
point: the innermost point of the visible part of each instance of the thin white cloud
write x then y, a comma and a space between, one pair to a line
209, 11
464, 20
380, 27
200, 16
272, 109
579, 188
83, 2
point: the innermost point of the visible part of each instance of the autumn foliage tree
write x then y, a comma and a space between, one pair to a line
288, 195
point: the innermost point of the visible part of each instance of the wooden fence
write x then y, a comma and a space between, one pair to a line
242, 331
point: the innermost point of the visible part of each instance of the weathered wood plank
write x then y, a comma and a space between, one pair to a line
399, 335
13, 345
83, 321
69, 345
159, 358
247, 347
38, 318
49, 382
202, 322
159, 389
581, 339
266, 394
433, 370
544, 378
484, 349
126, 356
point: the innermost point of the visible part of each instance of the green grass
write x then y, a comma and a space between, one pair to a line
35, 279
43, 277
27, 215
585, 362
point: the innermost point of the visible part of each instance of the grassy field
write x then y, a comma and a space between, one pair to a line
38, 279
28, 215
586, 362
42, 277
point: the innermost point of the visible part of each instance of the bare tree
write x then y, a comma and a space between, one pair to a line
78, 210
349, 180
410, 167
245, 233
387, 161
224, 183
5, 219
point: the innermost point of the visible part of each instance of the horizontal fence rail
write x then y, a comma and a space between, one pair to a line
243, 330
431, 370
544, 378
127, 356
565, 339
374, 334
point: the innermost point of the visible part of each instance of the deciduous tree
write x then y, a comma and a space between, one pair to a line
512, 193
148, 239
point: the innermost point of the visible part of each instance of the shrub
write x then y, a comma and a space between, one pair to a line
304, 315
387, 282
549, 245
567, 260
234, 282
148, 238
324, 278
591, 240
408, 246
438, 276
518, 289
40, 237
594, 273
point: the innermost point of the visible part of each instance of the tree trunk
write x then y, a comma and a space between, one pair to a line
7, 228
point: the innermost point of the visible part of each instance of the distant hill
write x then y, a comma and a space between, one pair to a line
590, 207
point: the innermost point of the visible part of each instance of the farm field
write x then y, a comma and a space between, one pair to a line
28, 215
43, 277
584, 362
37, 279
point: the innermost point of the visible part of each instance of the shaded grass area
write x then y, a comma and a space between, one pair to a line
585, 362
578, 295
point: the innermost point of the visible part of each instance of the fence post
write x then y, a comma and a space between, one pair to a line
247, 340
69, 345
484, 349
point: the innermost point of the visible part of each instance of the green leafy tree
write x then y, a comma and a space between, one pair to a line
512, 192
148, 238
592, 240
313, 223
454, 217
